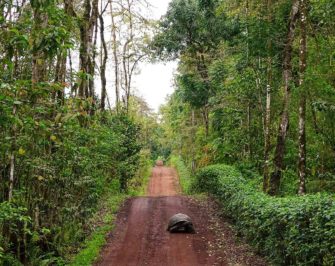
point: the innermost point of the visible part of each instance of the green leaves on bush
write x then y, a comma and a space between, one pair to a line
290, 231
183, 173
65, 161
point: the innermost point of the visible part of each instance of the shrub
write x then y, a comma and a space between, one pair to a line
290, 231
183, 173
64, 164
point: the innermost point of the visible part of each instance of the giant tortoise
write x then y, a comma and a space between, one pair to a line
159, 163
180, 223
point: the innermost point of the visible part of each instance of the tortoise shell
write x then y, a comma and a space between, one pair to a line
180, 223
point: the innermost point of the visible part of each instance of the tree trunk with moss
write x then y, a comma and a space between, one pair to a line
302, 104
284, 120
267, 122
87, 25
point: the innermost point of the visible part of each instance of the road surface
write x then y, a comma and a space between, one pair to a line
140, 236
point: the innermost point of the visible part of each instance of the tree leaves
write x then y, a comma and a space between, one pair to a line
21, 152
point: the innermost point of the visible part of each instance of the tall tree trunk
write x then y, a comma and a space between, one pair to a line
267, 122
267, 140
87, 26
12, 159
302, 104
84, 50
92, 61
249, 150
11, 176
125, 73
116, 59
205, 115
284, 121
193, 165
60, 73
128, 73
104, 57
38, 56
203, 72
69, 10
73, 85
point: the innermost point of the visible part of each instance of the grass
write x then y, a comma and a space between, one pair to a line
145, 174
91, 248
184, 174
93, 245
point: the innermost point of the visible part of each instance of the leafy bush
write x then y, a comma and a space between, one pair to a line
65, 161
103, 223
138, 184
290, 231
183, 173
289, 183
14, 219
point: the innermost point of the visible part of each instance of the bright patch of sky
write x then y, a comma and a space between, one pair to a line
155, 81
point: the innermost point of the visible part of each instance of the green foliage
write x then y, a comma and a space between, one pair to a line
223, 74
315, 186
93, 245
290, 231
13, 218
128, 152
185, 177
193, 90
59, 153
289, 183
139, 183
106, 215
191, 27
56, 35
65, 161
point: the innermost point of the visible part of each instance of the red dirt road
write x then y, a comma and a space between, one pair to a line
163, 182
140, 237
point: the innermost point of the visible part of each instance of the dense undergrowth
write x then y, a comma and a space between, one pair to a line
102, 222
66, 161
296, 230
184, 174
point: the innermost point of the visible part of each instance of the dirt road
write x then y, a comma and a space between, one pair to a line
140, 237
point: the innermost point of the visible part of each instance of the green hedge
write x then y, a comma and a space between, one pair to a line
183, 173
290, 231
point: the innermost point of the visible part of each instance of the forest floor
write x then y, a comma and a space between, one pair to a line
140, 236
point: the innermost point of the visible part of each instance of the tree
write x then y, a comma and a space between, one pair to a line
302, 104
191, 30
104, 57
87, 65
267, 122
130, 32
284, 120
58, 157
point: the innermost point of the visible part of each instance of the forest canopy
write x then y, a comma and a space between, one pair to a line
254, 87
